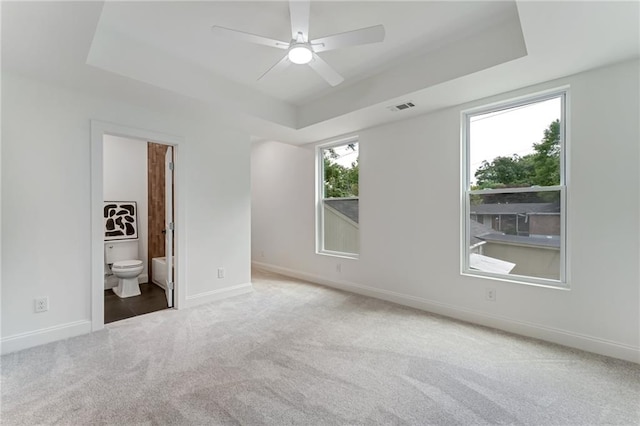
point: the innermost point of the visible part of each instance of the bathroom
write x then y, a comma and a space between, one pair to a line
134, 179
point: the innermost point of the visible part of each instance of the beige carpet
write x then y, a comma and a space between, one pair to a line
302, 354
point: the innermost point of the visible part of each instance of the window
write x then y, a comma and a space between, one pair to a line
514, 190
338, 203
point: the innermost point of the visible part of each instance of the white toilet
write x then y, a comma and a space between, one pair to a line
120, 257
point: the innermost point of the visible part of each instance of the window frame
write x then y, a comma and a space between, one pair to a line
466, 192
320, 197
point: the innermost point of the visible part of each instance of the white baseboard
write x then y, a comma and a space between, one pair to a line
554, 335
17, 342
223, 293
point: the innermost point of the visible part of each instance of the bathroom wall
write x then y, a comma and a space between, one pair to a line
125, 179
156, 154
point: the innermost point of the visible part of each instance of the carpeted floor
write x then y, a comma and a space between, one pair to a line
297, 353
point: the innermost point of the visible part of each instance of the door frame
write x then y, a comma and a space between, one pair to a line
98, 130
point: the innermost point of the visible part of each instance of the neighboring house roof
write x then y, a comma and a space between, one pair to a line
347, 206
547, 241
478, 229
515, 208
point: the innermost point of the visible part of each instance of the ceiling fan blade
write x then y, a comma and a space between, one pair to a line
367, 35
280, 65
299, 11
247, 37
325, 71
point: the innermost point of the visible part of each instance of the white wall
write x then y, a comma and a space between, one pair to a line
46, 205
125, 176
410, 220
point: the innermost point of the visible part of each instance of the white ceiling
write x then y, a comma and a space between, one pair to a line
436, 53
183, 31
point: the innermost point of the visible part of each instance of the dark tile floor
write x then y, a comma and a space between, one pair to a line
152, 299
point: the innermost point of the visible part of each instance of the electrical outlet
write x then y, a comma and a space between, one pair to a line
220, 272
338, 267
490, 294
261, 253
42, 305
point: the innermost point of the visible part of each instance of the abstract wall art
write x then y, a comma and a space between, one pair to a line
120, 220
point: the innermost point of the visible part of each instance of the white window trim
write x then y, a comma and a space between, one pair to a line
319, 198
563, 282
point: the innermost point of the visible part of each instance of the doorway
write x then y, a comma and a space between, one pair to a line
158, 291
137, 175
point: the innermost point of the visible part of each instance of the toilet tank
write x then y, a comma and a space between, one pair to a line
116, 251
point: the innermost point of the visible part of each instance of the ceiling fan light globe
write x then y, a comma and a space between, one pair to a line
300, 55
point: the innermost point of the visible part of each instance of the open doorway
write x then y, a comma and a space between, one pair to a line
138, 216
133, 222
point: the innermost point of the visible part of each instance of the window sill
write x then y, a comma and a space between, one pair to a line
339, 254
544, 283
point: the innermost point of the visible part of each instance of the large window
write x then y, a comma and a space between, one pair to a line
338, 203
514, 190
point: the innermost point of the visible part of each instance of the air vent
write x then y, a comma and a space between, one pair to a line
401, 107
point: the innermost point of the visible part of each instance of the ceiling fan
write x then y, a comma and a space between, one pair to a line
301, 50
